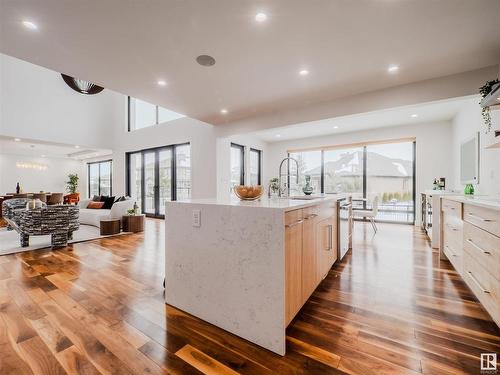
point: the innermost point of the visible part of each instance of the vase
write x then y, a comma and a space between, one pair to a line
308, 189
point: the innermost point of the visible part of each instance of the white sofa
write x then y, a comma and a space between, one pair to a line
94, 216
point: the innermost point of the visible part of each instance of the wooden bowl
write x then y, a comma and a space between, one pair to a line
248, 193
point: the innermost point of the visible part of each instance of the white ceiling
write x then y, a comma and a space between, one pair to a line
443, 110
347, 46
35, 148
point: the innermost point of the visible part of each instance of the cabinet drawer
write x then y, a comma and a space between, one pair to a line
485, 287
327, 209
484, 247
455, 257
309, 213
453, 243
484, 218
451, 207
293, 217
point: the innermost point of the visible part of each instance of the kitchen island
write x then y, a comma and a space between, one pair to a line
249, 266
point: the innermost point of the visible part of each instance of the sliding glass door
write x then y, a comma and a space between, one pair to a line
366, 171
389, 176
159, 175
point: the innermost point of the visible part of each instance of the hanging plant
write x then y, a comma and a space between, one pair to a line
484, 91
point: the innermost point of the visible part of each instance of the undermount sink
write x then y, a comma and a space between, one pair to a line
304, 197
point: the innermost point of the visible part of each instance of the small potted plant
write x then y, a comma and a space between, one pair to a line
273, 186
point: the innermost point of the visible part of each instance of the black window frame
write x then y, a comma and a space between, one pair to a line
173, 175
241, 148
259, 165
99, 178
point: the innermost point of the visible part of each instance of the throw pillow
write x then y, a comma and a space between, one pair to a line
95, 205
120, 199
96, 198
108, 202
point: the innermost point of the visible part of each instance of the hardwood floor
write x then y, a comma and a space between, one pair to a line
97, 307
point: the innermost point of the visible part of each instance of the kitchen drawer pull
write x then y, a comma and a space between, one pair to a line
479, 218
294, 224
450, 250
451, 227
477, 282
477, 246
310, 216
330, 235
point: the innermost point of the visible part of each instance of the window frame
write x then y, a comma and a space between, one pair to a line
173, 173
241, 148
110, 161
157, 114
364, 145
259, 164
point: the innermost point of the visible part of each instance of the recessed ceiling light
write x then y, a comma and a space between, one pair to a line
161, 82
260, 17
335, 127
278, 135
43, 156
77, 146
30, 25
224, 111
17, 140
498, 98
393, 68
304, 72
414, 115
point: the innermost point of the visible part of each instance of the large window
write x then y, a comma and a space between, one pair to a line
344, 171
386, 170
309, 165
142, 114
255, 167
159, 175
100, 178
237, 164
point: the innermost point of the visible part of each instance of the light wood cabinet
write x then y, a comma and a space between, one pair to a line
310, 274
470, 240
293, 264
310, 252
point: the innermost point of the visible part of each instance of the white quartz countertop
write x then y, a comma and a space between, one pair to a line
492, 202
284, 204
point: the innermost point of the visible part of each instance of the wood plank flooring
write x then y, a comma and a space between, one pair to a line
391, 307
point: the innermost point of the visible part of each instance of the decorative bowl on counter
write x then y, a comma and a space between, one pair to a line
248, 193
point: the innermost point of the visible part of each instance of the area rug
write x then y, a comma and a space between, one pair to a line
9, 239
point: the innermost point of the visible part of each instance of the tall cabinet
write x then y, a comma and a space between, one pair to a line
310, 251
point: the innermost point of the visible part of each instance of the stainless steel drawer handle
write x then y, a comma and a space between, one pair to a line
310, 216
294, 224
450, 250
479, 218
330, 235
478, 247
477, 282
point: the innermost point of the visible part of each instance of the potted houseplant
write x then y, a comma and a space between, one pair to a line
484, 91
72, 188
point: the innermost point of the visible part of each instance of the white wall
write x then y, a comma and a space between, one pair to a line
224, 160
200, 135
52, 179
432, 150
38, 104
465, 124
